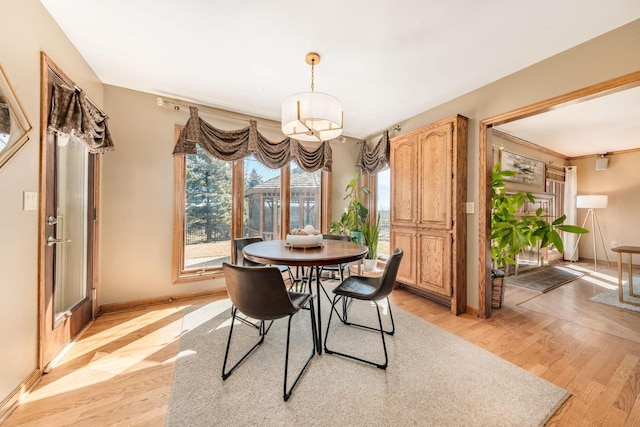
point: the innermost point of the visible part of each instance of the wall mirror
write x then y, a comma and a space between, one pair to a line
14, 124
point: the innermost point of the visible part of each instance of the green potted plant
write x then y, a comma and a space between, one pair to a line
511, 233
370, 233
353, 219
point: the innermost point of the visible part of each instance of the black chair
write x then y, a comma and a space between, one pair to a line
260, 293
339, 268
336, 268
368, 289
238, 246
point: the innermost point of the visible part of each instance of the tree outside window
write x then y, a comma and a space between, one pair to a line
208, 204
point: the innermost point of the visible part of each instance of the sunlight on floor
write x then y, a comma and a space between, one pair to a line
603, 281
197, 317
106, 355
185, 353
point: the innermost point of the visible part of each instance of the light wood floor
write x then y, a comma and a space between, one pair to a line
120, 372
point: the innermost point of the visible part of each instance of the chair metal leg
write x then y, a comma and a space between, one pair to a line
259, 325
298, 281
263, 332
287, 393
393, 325
344, 306
380, 329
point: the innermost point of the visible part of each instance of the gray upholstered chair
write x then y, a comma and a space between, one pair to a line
368, 289
260, 293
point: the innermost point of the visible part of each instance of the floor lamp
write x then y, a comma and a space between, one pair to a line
592, 203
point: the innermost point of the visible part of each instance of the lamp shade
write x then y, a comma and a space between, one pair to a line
593, 201
312, 116
602, 163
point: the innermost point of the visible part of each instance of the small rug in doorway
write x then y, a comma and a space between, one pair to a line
544, 279
610, 296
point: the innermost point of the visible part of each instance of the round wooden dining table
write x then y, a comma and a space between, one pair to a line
331, 252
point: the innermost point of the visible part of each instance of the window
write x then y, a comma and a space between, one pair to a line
379, 202
305, 198
216, 201
261, 216
383, 207
204, 215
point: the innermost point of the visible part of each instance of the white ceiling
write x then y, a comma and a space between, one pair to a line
386, 60
600, 125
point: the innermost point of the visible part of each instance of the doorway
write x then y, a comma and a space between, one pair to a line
68, 230
486, 166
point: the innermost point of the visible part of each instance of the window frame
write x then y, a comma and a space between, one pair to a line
179, 273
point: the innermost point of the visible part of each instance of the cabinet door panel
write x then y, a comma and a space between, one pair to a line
406, 240
434, 259
404, 188
435, 154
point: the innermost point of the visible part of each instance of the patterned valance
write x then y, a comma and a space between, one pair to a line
237, 144
72, 112
375, 159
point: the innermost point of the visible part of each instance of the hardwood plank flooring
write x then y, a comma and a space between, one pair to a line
120, 372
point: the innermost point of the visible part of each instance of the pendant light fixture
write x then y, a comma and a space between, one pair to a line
312, 116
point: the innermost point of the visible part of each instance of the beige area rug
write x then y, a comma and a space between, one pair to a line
610, 296
434, 378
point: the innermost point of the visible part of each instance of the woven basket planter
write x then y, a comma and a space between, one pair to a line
497, 288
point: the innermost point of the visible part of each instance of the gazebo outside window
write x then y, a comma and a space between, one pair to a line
262, 204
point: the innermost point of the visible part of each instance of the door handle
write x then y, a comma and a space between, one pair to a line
52, 241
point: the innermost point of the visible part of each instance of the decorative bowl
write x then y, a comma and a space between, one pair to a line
304, 240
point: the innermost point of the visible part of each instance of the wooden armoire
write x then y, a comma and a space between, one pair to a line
428, 219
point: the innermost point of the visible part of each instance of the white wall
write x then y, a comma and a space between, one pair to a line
619, 221
27, 29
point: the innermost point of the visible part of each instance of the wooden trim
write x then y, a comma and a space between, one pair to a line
609, 153
237, 205
590, 92
44, 84
11, 402
179, 164
197, 275
472, 311
459, 187
146, 302
528, 144
486, 164
285, 200
484, 224
97, 172
415, 289
325, 201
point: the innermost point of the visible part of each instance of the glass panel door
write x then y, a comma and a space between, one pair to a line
68, 220
71, 224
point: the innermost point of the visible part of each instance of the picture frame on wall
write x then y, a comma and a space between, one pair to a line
14, 124
528, 171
